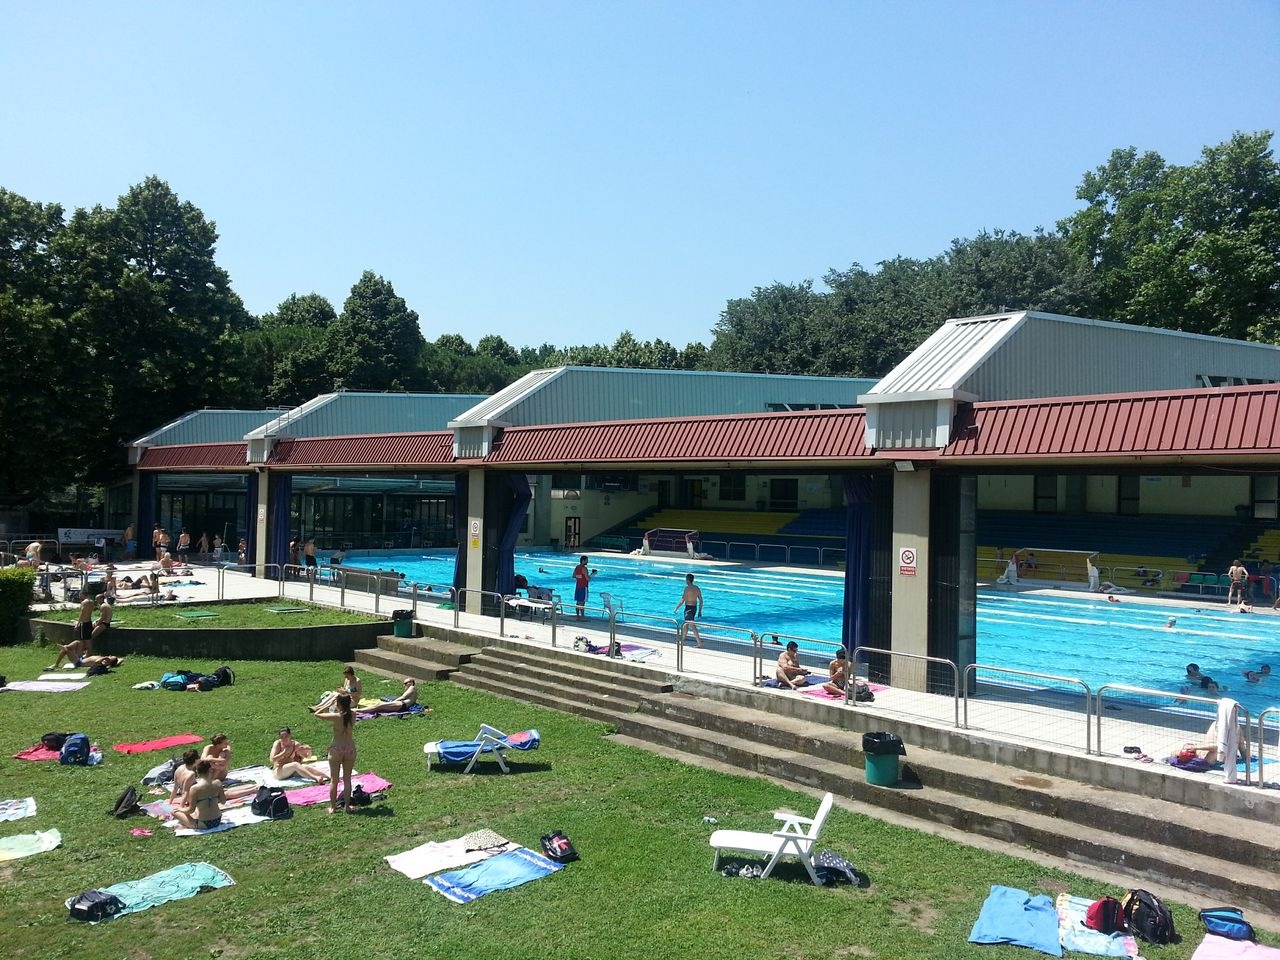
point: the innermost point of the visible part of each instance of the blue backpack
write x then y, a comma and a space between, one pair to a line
75, 750
174, 681
1227, 922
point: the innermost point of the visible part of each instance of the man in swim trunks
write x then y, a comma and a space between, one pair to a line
100, 628
839, 670
309, 557
789, 672
73, 653
84, 623
1239, 575
692, 600
581, 585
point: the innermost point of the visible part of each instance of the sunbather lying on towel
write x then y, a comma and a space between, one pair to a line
286, 759
400, 703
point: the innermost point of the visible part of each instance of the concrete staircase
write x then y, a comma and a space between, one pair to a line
1210, 843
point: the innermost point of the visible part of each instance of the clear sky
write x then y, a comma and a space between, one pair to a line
565, 171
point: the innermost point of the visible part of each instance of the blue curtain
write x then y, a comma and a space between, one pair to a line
858, 493
460, 507
146, 513
250, 515
279, 493
518, 483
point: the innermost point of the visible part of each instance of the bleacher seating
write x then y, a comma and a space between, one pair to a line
747, 522
1146, 536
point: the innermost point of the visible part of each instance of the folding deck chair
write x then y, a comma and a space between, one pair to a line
488, 740
791, 840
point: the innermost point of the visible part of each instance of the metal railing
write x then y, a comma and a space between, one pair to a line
660, 629
1262, 738
771, 639
1166, 712
723, 635
1040, 695
250, 568
896, 656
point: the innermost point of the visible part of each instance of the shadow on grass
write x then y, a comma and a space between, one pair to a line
492, 769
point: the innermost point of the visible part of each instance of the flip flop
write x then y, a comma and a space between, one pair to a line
1133, 750
1144, 758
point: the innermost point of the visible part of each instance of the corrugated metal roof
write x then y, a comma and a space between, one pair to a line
1239, 421
820, 435
213, 455
405, 449
348, 413
599, 394
207, 426
949, 355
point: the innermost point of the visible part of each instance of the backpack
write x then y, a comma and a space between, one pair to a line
1227, 922
225, 676
54, 741
97, 670
93, 906
358, 796
558, 847
270, 802
1148, 918
126, 804
862, 693
174, 681
75, 750
1105, 915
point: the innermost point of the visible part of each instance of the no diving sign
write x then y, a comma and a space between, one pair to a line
907, 562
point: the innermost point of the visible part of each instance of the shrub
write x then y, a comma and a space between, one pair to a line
16, 585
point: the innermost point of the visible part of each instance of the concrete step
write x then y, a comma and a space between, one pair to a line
604, 696
581, 673
401, 665
577, 662
503, 688
1097, 843
429, 648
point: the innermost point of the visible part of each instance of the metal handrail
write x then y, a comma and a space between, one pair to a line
777, 639
970, 674
822, 556
710, 631
446, 590
222, 573
955, 673
754, 547
1262, 739
463, 592
651, 623
1177, 698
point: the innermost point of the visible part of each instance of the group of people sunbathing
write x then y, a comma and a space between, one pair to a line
790, 674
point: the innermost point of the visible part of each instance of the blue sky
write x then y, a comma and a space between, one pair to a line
563, 172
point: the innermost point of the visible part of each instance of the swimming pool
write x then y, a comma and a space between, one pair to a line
1083, 637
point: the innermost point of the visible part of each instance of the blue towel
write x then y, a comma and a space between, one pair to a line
176, 883
1014, 916
460, 751
502, 872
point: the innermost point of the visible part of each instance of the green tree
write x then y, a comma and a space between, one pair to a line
307, 310
376, 343
1193, 248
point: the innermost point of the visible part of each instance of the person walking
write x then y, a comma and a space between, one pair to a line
692, 600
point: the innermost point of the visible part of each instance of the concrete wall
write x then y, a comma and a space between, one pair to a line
597, 514
1006, 493
187, 645
1204, 496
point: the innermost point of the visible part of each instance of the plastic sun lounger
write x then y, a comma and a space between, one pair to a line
792, 839
488, 740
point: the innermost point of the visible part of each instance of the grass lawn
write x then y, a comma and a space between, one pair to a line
316, 886
228, 615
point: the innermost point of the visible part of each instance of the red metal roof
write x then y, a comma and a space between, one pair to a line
188, 455
819, 435
388, 449
1228, 421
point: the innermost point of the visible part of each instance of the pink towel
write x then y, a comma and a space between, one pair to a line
38, 752
1220, 948
305, 796
823, 695
175, 741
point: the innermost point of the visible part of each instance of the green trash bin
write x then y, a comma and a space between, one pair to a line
882, 751
402, 623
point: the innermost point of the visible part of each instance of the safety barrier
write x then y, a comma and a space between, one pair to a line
1010, 697
900, 662
763, 640
1263, 733
253, 569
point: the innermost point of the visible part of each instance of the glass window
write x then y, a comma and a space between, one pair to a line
733, 487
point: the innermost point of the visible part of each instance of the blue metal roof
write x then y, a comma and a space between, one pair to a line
351, 413
207, 426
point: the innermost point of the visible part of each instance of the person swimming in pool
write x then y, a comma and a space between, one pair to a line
1257, 676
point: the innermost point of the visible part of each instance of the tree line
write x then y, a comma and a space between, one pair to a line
114, 320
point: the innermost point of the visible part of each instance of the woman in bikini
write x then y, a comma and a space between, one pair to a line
183, 777
286, 760
203, 807
218, 753
342, 750
351, 686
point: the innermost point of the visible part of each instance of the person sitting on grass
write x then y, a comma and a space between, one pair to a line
183, 776
790, 673
399, 704
286, 759
202, 808
218, 753
351, 686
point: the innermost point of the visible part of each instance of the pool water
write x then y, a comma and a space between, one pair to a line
1083, 637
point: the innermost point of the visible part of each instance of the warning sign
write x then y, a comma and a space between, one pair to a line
907, 562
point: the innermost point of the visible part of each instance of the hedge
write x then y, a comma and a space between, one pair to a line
16, 584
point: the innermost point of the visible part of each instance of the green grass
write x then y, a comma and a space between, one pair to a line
316, 886
228, 615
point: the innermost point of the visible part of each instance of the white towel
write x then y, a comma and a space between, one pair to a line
1228, 736
62, 676
234, 817
17, 809
434, 857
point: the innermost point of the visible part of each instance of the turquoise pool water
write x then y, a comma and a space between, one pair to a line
1087, 638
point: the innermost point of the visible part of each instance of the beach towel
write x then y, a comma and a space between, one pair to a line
231, 818
17, 809
819, 694
29, 844
449, 854
44, 686
1074, 935
1014, 916
263, 777
811, 680
38, 752
415, 710
145, 746
63, 676
371, 782
506, 870
1220, 948
176, 883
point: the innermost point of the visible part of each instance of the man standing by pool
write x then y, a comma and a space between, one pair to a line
1239, 575
581, 584
692, 600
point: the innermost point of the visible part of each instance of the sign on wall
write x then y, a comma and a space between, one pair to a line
907, 562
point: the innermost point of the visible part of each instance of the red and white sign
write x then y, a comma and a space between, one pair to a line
907, 562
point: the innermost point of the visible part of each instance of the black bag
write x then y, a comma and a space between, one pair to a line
206, 682
359, 798
224, 676
97, 670
558, 847
126, 804
54, 741
1148, 918
862, 693
94, 905
832, 869
270, 802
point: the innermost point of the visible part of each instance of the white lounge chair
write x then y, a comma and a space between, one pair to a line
795, 838
488, 740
